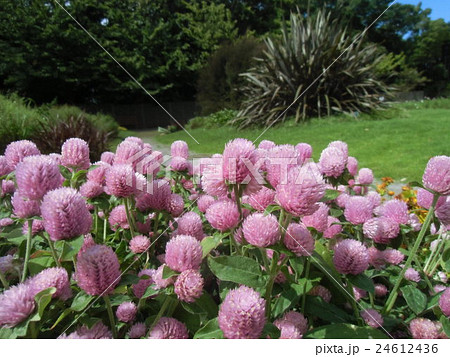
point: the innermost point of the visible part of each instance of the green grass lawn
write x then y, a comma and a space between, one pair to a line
398, 147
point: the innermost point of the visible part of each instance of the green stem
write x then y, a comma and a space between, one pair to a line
52, 249
237, 196
111, 315
353, 301
430, 286
96, 222
127, 210
160, 314
3, 280
393, 295
28, 250
273, 274
308, 266
105, 225
431, 265
155, 233
372, 302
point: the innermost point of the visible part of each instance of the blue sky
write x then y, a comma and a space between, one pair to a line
440, 8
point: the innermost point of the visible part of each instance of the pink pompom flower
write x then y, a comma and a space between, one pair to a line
372, 318
169, 328
333, 229
321, 291
352, 165
96, 332
183, 252
107, 157
75, 154
91, 189
65, 214
4, 167
98, 270
365, 176
175, 205
24, 208
381, 229
237, 155
138, 330
16, 151
189, 285
261, 199
393, 256
298, 239
16, 304
351, 257
118, 218
437, 175
266, 145
396, 210
52, 277
179, 148
380, 290
160, 282
191, 224
36, 227
358, 210
319, 219
292, 325
412, 275
260, 230
444, 302
121, 180
422, 328
146, 280
126, 311
223, 215
332, 162
156, 197
242, 314
204, 201
280, 160
139, 244
304, 152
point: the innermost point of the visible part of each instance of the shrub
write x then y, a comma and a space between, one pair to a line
215, 120
293, 69
219, 82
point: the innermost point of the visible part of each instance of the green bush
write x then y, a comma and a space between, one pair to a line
215, 120
219, 82
317, 64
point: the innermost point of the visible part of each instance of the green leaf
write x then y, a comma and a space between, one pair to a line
416, 300
416, 184
61, 317
129, 279
42, 299
81, 301
343, 330
271, 330
445, 321
239, 270
71, 248
433, 301
316, 306
168, 273
211, 330
298, 264
330, 195
363, 282
38, 264
150, 291
210, 243
291, 294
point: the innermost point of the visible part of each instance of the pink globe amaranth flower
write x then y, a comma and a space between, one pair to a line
156, 197
183, 252
443, 214
422, 328
352, 165
261, 199
52, 278
36, 175
332, 162
8, 188
238, 235
7, 266
223, 215
304, 188
91, 189
266, 145
372, 318
121, 180
333, 229
358, 210
107, 157
237, 156
139, 244
129, 153
381, 229
169, 328
358, 190
380, 290
376, 258
143, 284
279, 161
425, 198
292, 325
16, 304
321, 291
138, 330
444, 302
4, 167
241, 314
351, 257
412, 275
359, 293
438, 288
213, 182
365, 176
260, 230
118, 218
393, 256
144, 227
178, 163
16, 151
65, 214
134, 139
98, 173
319, 219
75, 154
96, 332
396, 210
299, 240
179, 148
88, 242
56, 157
191, 224
98, 270
342, 199
374, 198
204, 201
442, 276
126, 312
304, 152
437, 175
5, 222
175, 205
189, 285
160, 282
341, 146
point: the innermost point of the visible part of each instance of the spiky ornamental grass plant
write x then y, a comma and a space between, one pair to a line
318, 64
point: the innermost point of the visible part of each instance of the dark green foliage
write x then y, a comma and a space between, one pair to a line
219, 81
215, 120
293, 69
